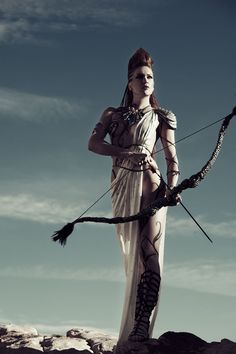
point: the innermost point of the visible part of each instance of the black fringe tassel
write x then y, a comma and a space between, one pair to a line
61, 235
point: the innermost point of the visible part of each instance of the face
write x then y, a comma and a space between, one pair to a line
142, 82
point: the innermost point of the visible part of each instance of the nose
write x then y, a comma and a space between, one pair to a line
145, 79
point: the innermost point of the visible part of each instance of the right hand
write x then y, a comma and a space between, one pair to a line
141, 159
138, 158
176, 200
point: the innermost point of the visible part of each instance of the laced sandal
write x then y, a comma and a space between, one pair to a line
147, 296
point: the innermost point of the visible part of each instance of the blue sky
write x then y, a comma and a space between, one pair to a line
62, 63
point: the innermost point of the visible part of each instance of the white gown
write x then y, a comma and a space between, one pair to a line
126, 200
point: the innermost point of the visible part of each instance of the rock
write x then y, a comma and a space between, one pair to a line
150, 346
99, 342
22, 339
224, 347
180, 343
64, 344
26, 340
177, 343
21, 330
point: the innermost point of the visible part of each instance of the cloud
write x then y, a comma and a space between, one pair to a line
31, 107
223, 228
43, 210
42, 272
27, 206
185, 226
22, 30
207, 277
32, 18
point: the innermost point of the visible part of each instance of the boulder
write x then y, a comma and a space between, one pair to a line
224, 347
19, 339
99, 342
26, 340
62, 344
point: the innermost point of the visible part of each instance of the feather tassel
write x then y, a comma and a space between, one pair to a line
63, 234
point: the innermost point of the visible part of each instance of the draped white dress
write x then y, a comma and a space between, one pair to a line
126, 200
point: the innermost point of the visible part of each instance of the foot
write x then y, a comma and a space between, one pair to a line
140, 331
137, 338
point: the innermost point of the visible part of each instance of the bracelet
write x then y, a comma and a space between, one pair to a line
174, 172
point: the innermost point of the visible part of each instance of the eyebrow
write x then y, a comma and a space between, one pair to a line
138, 73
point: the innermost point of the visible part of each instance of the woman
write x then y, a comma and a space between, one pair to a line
136, 181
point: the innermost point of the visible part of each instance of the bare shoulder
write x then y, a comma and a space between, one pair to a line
107, 114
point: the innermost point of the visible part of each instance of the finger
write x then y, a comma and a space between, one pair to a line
151, 161
178, 199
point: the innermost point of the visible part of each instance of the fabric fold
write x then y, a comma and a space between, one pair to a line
126, 200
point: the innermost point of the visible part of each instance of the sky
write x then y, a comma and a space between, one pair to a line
62, 63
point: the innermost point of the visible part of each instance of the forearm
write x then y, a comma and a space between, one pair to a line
172, 179
106, 149
172, 171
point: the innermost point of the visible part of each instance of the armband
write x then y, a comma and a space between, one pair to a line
99, 127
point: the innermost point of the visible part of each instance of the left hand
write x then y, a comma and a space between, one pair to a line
174, 200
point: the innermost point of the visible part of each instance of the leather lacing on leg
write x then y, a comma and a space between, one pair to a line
149, 285
147, 297
148, 288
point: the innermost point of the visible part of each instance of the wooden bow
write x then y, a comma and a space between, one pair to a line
191, 182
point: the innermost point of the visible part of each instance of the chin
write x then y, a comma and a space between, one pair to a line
148, 92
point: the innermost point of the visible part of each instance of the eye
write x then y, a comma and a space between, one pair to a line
140, 76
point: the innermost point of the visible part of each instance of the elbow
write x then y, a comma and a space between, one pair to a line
90, 146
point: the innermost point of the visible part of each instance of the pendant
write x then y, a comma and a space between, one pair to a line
132, 116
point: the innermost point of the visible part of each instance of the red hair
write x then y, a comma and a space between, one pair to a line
139, 58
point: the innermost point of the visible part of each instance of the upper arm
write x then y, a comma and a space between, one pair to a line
167, 133
101, 128
168, 141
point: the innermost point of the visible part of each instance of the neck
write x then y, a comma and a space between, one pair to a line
141, 103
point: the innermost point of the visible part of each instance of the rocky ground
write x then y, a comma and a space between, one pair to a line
26, 340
